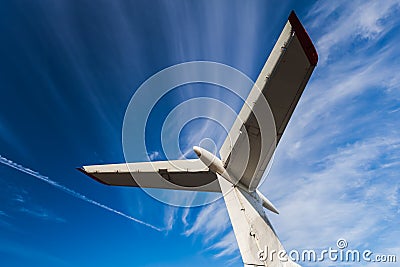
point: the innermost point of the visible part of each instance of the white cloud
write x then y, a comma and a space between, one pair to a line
336, 169
213, 225
227, 245
46, 179
212, 220
170, 215
343, 198
185, 214
154, 155
19, 198
41, 213
343, 22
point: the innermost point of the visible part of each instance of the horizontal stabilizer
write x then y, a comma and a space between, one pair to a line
281, 81
190, 175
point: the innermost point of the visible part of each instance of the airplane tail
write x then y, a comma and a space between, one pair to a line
245, 156
245, 153
257, 240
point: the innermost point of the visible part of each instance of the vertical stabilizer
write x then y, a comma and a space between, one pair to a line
255, 236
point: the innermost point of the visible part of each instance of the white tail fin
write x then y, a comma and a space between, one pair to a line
255, 236
245, 153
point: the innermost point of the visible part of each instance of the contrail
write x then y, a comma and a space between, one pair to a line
46, 179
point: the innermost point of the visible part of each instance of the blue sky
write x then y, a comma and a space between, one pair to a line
69, 68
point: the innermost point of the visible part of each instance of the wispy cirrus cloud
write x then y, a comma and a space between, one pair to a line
336, 168
212, 224
340, 196
22, 203
155, 155
41, 213
226, 246
348, 22
46, 179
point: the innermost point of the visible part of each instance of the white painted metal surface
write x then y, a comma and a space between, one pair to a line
174, 174
249, 147
253, 231
244, 154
